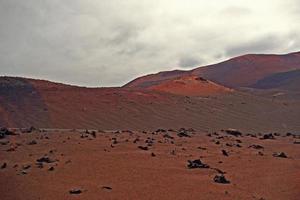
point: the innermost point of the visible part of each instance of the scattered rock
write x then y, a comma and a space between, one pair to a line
168, 136
4, 165
221, 179
256, 146
260, 153
24, 167
233, 132
23, 172
202, 148
106, 188
183, 133
93, 133
75, 191
289, 134
51, 169
196, 164
280, 155
45, 159
39, 165
29, 130
268, 136
4, 132
143, 148
238, 141
224, 153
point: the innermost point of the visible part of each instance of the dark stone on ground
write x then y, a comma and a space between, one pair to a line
106, 188
75, 191
224, 152
4, 165
221, 179
268, 136
51, 169
233, 132
256, 146
45, 159
196, 164
280, 155
143, 148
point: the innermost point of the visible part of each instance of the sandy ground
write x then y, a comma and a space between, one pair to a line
112, 166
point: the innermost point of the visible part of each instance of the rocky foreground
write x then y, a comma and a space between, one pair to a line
164, 164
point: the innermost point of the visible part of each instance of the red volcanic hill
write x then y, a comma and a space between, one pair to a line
190, 86
242, 71
44, 104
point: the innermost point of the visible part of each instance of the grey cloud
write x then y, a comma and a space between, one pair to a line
188, 62
261, 45
109, 42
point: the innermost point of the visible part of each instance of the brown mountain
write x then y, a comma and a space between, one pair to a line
190, 86
242, 71
284, 80
28, 102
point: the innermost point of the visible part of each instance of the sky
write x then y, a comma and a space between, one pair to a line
101, 43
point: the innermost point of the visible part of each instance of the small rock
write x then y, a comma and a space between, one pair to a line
221, 179
51, 169
224, 153
152, 154
183, 133
256, 146
4, 165
75, 191
233, 132
45, 159
260, 153
196, 164
268, 136
106, 188
202, 148
24, 167
143, 148
280, 155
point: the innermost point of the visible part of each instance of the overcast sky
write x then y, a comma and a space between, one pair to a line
110, 42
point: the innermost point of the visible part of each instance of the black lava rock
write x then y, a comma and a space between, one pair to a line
280, 155
196, 164
221, 179
75, 191
225, 153
233, 132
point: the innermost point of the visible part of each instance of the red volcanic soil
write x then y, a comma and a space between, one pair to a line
27, 102
242, 71
147, 165
190, 86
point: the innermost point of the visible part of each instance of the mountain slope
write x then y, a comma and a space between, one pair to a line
27, 102
190, 86
242, 71
284, 80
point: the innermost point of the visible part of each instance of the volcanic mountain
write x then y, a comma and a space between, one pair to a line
242, 71
190, 86
188, 101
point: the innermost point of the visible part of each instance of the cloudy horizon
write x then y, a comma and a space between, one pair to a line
111, 42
